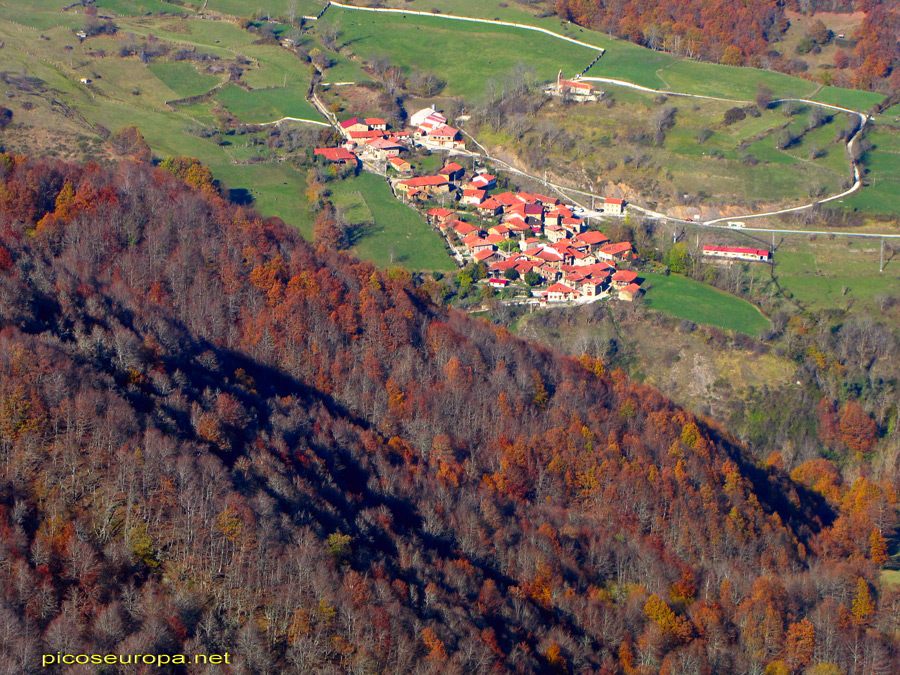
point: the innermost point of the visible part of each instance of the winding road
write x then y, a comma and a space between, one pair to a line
566, 191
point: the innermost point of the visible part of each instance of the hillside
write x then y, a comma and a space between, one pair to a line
218, 439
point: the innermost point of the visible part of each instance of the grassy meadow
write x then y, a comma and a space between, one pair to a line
737, 163
821, 272
397, 234
688, 299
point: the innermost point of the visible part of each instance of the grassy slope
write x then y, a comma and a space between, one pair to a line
823, 272
398, 229
266, 105
688, 299
682, 165
183, 78
882, 192
465, 55
848, 98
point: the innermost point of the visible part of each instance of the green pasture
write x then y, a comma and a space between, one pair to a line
275, 190
41, 14
266, 105
881, 191
854, 99
266, 8
820, 272
183, 78
345, 70
399, 236
201, 112
710, 79
275, 67
140, 8
688, 299
466, 55
683, 164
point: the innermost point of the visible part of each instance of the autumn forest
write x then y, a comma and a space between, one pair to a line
217, 437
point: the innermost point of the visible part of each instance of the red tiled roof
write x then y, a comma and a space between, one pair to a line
463, 228
592, 237
560, 288
614, 249
549, 255
494, 238
472, 192
360, 135
481, 255
534, 210
423, 181
439, 212
732, 249
444, 132
576, 84
630, 288
507, 199
517, 224
384, 144
335, 154
349, 123
490, 203
613, 200
452, 167
625, 275
375, 121
397, 161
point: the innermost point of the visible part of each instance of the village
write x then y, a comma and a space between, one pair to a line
523, 239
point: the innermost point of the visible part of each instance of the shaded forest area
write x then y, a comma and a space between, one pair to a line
747, 33
216, 437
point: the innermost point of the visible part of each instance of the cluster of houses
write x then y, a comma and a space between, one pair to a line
370, 139
532, 233
521, 231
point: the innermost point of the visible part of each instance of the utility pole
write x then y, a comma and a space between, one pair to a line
881, 264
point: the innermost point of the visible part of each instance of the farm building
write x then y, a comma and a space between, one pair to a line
613, 206
384, 149
337, 155
489, 207
472, 197
431, 184
620, 251
576, 89
624, 278
484, 181
453, 171
400, 165
427, 116
353, 124
561, 293
629, 293
735, 253
444, 137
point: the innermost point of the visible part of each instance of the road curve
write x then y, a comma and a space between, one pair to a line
863, 118
457, 17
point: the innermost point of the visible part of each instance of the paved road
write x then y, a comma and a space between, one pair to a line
567, 191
